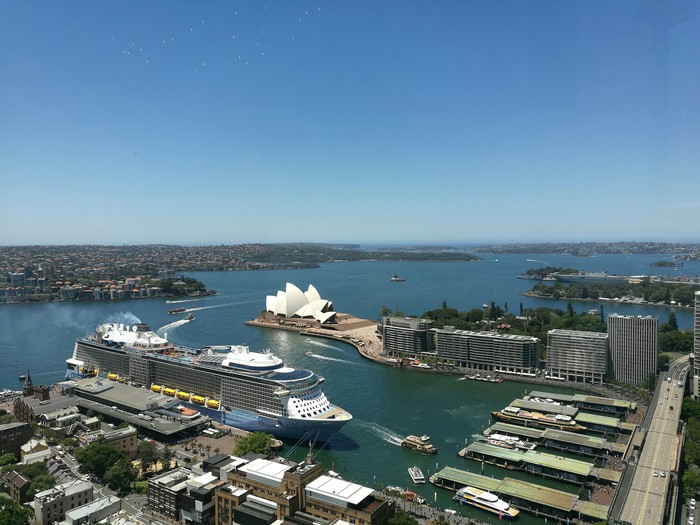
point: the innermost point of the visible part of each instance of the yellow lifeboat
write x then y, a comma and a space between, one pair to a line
212, 403
112, 377
198, 400
156, 388
169, 391
185, 396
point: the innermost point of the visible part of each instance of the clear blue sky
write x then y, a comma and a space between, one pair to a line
349, 121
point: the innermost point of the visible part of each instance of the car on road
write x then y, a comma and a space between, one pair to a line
692, 503
656, 474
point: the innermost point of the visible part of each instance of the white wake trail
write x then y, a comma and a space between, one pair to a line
171, 326
325, 358
383, 433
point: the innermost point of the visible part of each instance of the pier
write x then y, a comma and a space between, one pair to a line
592, 446
528, 497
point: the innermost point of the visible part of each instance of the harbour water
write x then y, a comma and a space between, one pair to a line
386, 403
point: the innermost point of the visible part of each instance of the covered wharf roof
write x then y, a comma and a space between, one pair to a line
533, 457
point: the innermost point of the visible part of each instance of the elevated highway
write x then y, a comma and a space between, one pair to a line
648, 491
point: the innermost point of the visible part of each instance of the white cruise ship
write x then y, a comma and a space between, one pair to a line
234, 386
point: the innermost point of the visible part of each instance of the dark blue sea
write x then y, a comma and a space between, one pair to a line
386, 403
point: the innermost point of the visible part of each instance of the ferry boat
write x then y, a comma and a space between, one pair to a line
247, 390
416, 475
486, 501
513, 414
178, 310
503, 441
419, 443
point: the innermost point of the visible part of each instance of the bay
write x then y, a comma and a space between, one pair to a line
386, 403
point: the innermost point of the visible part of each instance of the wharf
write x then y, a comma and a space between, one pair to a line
545, 408
604, 424
540, 463
559, 439
528, 497
588, 402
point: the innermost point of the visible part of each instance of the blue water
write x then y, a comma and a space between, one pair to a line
386, 403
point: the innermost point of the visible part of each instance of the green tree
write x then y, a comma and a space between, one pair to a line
12, 513
120, 476
257, 442
691, 483
39, 483
166, 457
7, 459
97, 458
401, 517
147, 453
672, 321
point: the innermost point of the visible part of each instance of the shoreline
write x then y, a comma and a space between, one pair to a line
535, 295
363, 335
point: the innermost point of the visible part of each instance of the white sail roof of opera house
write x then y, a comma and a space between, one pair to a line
292, 302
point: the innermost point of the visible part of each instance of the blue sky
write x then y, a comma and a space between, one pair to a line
356, 121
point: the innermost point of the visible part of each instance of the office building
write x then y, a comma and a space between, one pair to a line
578, 356
694, 371
634, 347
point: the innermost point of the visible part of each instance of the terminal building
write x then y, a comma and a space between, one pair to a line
578, 356
634, 347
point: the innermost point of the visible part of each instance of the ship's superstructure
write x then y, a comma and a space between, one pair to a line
244, 389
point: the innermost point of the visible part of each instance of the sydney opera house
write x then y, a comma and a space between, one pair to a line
293, 303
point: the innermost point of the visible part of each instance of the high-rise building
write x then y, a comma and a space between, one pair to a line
694, 372
634, 347
577, 356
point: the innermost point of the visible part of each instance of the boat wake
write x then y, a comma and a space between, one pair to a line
183, 301
200, 308
320, 343
382, 432
171, 326
325, 358
536, 260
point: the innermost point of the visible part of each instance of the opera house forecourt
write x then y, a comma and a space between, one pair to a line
307, 312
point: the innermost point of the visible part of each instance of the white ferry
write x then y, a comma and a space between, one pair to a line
416, 475
486, 501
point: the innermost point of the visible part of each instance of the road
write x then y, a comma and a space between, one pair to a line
646, 499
